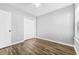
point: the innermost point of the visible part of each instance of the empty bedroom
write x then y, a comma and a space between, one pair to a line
39, 28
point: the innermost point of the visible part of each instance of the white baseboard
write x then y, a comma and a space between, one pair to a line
43, 39
12, 44
76, 50
56, 41
75, 46
17, 42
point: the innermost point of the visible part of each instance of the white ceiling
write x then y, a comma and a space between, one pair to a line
43, 9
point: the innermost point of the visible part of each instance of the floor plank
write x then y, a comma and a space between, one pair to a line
37, 46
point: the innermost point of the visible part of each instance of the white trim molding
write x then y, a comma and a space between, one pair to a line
76, 39
76, 50
55, 41
13, 43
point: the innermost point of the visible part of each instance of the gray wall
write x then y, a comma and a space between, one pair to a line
57, 26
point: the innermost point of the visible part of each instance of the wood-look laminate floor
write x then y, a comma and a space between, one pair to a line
38, 47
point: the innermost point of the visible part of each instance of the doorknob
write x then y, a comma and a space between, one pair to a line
9, 30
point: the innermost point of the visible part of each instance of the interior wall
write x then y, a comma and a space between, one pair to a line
17, 22
5, 26
57, 25
76, 39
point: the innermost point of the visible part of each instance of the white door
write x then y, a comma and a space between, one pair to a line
5, 28
29, 28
